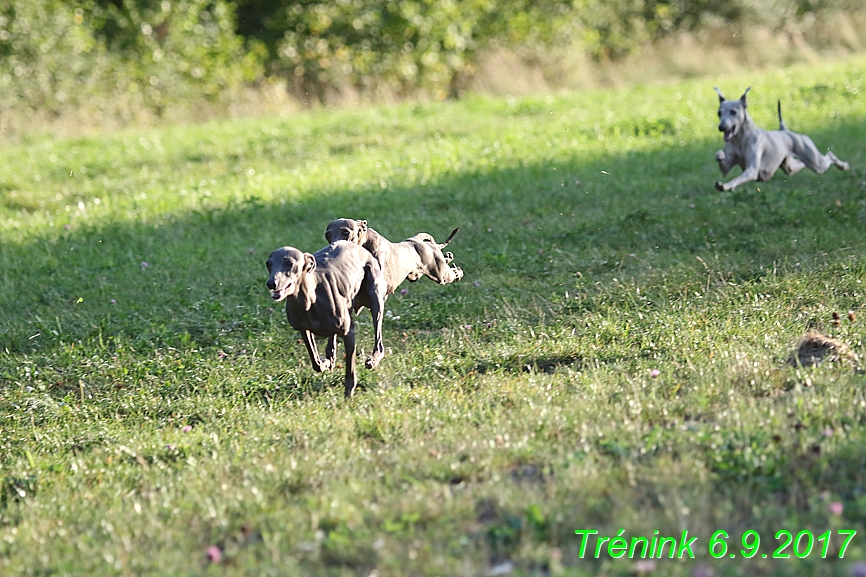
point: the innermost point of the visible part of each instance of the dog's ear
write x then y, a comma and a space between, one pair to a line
721, 96
328, 235
743, 97
309, 262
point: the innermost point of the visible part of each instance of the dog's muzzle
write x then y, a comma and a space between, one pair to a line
279, 294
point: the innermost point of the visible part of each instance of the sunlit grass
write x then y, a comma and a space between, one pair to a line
614, 358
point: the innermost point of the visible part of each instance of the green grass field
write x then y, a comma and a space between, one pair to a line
615, 357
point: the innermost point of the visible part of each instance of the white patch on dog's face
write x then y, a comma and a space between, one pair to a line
285, 265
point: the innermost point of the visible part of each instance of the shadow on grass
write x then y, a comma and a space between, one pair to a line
197, 280
524, 364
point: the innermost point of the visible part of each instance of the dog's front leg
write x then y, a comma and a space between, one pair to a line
351, 374
376, 307
377, 292
331, 351
319, 365
725, 161
750, 173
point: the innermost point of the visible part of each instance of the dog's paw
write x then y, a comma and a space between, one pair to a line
449, 256
458, 273
720, 186
720, 156
324, 365
374, 359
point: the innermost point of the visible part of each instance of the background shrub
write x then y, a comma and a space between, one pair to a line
122, 59
119, 59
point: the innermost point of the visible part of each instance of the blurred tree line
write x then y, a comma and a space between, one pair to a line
118, 56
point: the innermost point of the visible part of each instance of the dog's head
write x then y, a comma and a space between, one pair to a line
732, 114
287, 266
433, 262
347, 229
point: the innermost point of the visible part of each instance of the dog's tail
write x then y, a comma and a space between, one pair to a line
781, 122
450, 237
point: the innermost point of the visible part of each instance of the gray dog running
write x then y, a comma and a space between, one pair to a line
760, 153
417, 256
322, 290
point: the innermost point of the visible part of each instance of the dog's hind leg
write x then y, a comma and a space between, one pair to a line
806, 151
453, 274
792, 165
840, 164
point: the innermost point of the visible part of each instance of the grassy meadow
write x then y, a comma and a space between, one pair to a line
615, 357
